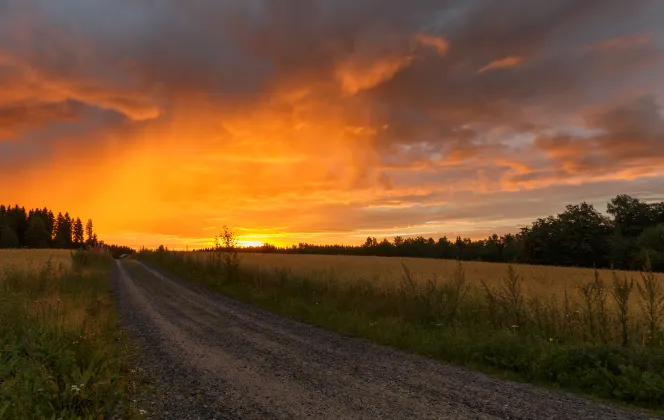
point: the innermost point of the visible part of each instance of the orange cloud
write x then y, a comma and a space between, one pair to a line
356, 76
503, 63
27, 84
440, 44
621, 42
21, 116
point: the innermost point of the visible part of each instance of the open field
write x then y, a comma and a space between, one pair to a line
585, 330
538, 281
61, 352
34, 259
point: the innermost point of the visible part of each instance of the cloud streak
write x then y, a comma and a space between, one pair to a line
503, 63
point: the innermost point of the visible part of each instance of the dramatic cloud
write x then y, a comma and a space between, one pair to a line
502, 63
628, 138
621, 42
327, 120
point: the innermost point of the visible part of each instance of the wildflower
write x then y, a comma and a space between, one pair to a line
550, 340
75, 389
142, 412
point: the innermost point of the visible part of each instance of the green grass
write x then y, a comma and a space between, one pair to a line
62, 355
574, 345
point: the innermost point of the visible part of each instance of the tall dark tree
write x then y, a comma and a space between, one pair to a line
37, 236
657, 212
494, 248
513, 247
17, 220
651, 247
89, 232
77, 234
577, 237
631, 215
8, 237
68, 230
50, 222
62, 232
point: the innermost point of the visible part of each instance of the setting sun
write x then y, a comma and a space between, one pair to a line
249, 243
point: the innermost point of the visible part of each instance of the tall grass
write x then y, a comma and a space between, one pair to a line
596, 338
540, 281
61, 353
33, 259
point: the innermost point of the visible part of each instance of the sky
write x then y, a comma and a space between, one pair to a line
327, 121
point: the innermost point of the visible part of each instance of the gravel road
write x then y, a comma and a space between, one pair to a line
214, 358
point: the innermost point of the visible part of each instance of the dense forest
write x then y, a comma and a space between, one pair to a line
631, 234
41, 228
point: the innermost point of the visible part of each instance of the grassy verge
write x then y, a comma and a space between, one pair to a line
589, 343
62, 355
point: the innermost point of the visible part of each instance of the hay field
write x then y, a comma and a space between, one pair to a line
33, 259
537, 280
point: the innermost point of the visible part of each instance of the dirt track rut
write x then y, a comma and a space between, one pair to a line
213, 357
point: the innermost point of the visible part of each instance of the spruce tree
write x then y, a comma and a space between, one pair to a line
37, 236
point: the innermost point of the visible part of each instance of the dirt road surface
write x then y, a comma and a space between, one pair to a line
214, 358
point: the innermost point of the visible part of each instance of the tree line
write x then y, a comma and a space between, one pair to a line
41, 228
628, 236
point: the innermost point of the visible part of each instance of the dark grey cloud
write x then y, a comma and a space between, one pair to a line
557, 76
150, 59
39, 133
624, 136
24, 116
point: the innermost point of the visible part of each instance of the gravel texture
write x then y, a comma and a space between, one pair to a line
215, 358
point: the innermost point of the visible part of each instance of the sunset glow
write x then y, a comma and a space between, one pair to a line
326, 121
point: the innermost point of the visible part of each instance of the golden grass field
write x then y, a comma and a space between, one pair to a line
33, 259
537, 280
